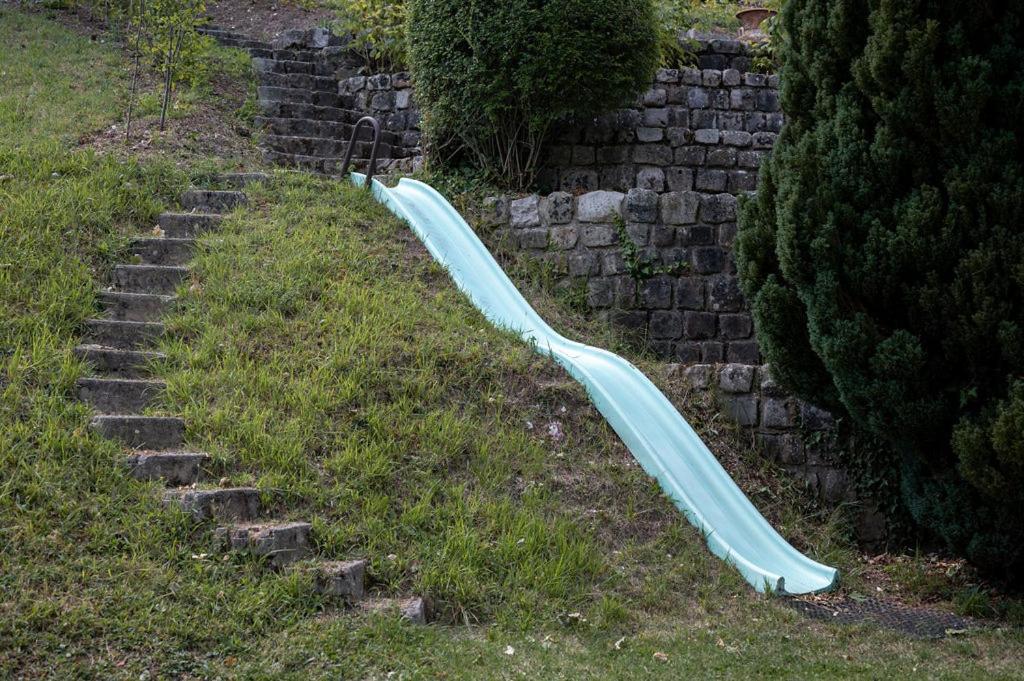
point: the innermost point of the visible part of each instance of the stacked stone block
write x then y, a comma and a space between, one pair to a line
389, 98
692, 311
704, 130
792, 432
797, 435
719, 52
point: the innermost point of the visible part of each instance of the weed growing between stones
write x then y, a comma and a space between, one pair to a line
638, 267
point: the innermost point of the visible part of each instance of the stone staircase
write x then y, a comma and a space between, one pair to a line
308, 121
307, 117
119, 347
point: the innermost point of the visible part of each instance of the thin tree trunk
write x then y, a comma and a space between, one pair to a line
167, 79
174, 47
135, 70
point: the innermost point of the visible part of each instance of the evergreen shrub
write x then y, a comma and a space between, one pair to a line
884, 253
493, 77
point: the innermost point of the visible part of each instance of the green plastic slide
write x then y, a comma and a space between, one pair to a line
655, 432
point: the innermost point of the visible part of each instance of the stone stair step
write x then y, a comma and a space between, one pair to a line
232, 38
298, 95
117, 362
280, 544
188, 225
276, 109
242, 180
342, 579
135, 307
118, 396
218, 32
308, 163
323, 147
327, 130
415, 610
160, 279
332, 166
307, 81
243, 43
238, 504
284, 94
174, 468
295, 55
163, 250
114, 333
212, 200
141, 432
315, 164
263, 65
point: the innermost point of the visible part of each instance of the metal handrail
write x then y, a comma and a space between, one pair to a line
375, 124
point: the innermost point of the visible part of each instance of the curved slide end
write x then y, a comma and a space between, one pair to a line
655, 432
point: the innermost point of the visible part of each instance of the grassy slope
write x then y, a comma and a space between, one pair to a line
52, 89
323, 356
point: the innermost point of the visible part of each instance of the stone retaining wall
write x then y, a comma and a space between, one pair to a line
792, 432
644, 215
389, 98
657, 263
795, 434
705, 129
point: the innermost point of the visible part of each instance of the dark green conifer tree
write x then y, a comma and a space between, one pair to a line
884, 253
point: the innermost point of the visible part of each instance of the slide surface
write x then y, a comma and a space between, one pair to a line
654, 431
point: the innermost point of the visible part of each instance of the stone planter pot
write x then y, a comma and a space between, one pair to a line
752, 18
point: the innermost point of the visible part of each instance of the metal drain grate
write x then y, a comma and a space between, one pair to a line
915, 622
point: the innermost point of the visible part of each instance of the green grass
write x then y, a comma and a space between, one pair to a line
320, 354
327, 358
41, 69
196, 82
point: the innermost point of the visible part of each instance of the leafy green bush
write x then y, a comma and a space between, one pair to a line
378, 33
675, 53
170, 41
160, 29
702, 15
707, 16
493, 77
883, 253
